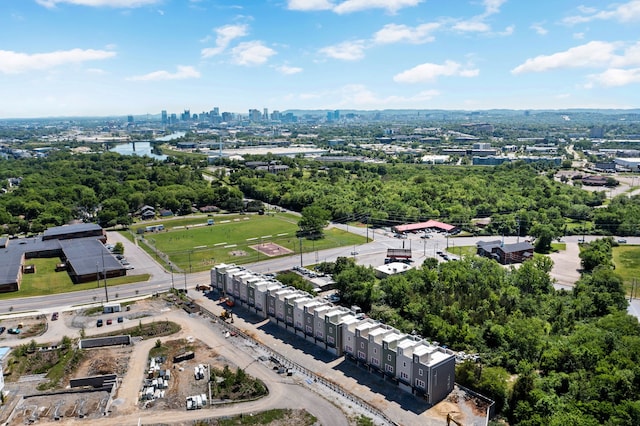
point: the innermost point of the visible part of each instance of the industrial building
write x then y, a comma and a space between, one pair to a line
412, 362
80, 248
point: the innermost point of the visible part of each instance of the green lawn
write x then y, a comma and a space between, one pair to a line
229, 241
47, 281
462, 251
626, 258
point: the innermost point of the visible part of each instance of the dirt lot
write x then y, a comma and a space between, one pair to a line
183, 383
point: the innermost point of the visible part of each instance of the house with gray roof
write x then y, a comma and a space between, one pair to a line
505, 254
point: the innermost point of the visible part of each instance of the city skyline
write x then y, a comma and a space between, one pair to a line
122, 57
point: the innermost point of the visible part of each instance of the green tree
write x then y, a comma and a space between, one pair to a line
118, 248
544, 234
314, 220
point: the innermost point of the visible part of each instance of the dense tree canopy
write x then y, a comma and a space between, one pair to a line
572, 356
107, 188
516, 197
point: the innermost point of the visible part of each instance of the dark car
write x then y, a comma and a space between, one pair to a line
54, 316
99, 323
109, 321
2, 329
120, 319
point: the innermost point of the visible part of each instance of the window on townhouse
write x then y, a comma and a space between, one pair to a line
420, 372
420, 383
361, 345
389, 357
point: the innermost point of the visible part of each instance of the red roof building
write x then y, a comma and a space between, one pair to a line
430, 224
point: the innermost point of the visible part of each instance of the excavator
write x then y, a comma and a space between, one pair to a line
226, 315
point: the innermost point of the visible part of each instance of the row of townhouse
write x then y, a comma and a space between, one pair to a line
411, 362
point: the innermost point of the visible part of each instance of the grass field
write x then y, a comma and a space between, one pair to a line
47, 281
626, 258
192, 245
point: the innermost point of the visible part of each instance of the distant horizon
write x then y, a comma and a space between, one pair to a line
97, 58
342, 111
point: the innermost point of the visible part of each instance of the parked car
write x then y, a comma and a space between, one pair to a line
120, 319
54, 316
2, 329
109, 321
622, 241
13, 331
99, 323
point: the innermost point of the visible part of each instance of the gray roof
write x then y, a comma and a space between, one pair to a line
512, 248
85, 255
11, 255
67, 229
88, 256
506, 248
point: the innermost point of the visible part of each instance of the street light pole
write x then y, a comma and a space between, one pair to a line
171, 267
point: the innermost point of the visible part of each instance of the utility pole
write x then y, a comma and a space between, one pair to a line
367, 228
171, 267
104, 274
518, 223
185, 282
300, 239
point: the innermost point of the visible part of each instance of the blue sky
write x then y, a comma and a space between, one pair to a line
117, 57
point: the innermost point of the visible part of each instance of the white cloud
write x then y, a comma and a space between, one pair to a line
288, 70
578, 36
539, 29
350, 6
307, 5
391, 6
472, 25
477, 23
99, 3
630, 57
430, 72
183, 73
596, 54
358, 95
615, 77
492, 6
625, 12
508, 31
592, 54
346, 51
96, 71
16, 62
225, 35
394, 33
251, 53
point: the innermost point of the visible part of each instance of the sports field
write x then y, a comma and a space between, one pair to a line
192, 245
626, 259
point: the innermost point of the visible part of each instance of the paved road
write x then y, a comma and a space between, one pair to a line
283, 393
373, 253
